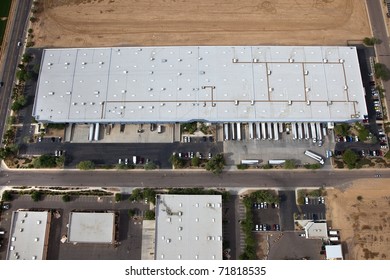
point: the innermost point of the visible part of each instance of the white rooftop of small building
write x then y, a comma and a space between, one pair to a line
188, 227
91, 227
334, 252
213, 83
316, 230
28, 235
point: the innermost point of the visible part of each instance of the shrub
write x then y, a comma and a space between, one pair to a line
66, 198
86, 165
242, 166
36, 196
7, 196
149, 215
118, 197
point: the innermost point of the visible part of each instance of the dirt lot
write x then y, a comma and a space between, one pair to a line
78, 23
361, 211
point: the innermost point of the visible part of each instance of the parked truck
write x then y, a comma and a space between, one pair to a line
314, 156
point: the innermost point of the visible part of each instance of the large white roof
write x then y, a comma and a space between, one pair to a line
28, 235
214, 83
188, 227
91, 227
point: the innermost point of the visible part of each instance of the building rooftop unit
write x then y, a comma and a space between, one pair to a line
188, 227
211, 83
316, 230
334, 252
87, 227
28, 235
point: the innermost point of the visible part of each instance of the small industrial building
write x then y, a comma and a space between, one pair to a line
29, 234
188, 227
315, 230
216, 84
91, 227
334, 252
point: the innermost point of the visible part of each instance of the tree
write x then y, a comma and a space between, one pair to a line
150, 166
176, 161
60, 161
118, 197
371, 41
85, 165
66, 198
341, 129
362, 131
136, 195
36, 195
350, 158
149, 215
131, 213
45, 161
216, 164
242, 166
26, 58
19, 103
149, 194
381, 71
289, 164
7, 196
195, 161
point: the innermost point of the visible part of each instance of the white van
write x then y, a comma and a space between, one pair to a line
159, 129
2, 232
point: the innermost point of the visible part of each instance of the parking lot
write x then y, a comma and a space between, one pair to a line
130, 231
265, 219
314, 210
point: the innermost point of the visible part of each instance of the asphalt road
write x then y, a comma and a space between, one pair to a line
11, 55
165, 178
379, 31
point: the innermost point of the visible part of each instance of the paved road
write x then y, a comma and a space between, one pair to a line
11, 55
378, 27
158, 179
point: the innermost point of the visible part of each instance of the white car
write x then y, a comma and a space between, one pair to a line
126, 161
120, 161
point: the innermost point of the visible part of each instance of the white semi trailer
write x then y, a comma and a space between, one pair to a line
238, 131
315, 156
313, 132
269, 128
226, 131
263, 131
258, 132
306, 129
276, 131
251, 136
300, 132
294, 130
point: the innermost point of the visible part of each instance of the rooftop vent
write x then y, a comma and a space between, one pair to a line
83, 63
235, 103
306, 72
255, 60
269, 72
308, 102
164, 60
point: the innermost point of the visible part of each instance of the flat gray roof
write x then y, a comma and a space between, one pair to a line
316, 230
28, 235
188, 227
91, 227
334, 252
215, 83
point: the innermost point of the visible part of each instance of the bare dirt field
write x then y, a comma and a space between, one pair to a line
361, 212
86, 23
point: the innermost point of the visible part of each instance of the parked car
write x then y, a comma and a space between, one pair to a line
6, 206
210, 155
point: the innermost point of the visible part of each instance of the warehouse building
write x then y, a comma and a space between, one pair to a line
29, 235
91, 227
188, 227
217, 84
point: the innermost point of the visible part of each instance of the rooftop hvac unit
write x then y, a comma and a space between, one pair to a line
34, 257
213, 104
204, 104
235, 103
289, 102
50, 64
235, 60
329, 102
270, 89
345, 87
74, 103
22, 221
152, 58
163, 88
180, 228
308, 102
36, 239
96, 92
67, 63
200, 58
83, 63
341, 60
179, 74
180, 213
269, 72
83, 103
150, 89
51, 93
291, 60
255, 60
307, 89
168, 240
306, 72
92, 103
164, 60
252, 102
68, 92
202, 72
178, 104
325, 60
